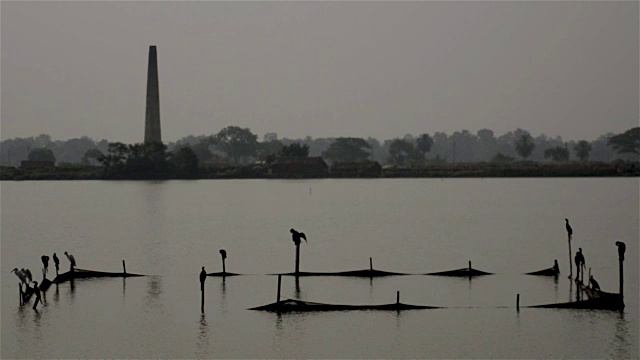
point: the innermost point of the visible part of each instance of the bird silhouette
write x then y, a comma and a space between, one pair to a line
72, 260
569, 229
20, 274
296, 236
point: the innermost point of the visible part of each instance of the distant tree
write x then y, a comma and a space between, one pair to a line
237, 143
525, 146
500, 158
116, 156
202, 150
347, 150
424, 143
270, 136
295, 150
557, 153
486, 145
582, 149
627, 142
41, 154
89, 155
402, 152
150, 158
185, 160
269, 150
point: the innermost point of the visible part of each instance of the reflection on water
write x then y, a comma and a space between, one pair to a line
154, 289
72, 291
620, 339
202, 342
56, 295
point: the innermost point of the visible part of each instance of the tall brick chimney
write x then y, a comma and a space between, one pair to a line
152, 118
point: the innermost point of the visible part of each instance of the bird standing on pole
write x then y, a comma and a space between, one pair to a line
224, 256
569, 233
203, 277
296, 236
20, 274
56, 262
72, 261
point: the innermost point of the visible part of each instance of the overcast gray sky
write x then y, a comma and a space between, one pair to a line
380, 69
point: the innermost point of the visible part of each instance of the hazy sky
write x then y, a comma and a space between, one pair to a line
380, 69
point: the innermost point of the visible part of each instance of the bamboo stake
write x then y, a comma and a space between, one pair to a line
570, 263
279, 283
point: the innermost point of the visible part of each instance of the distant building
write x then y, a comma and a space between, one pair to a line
36, 164
299, 167
356, 169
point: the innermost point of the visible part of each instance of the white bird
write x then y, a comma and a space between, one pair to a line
20, 274
27, 273
72, 260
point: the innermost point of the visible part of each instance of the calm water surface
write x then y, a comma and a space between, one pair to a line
169, 230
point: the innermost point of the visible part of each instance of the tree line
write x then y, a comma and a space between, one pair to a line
239, 146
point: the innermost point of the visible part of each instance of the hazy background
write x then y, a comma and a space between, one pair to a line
380, 69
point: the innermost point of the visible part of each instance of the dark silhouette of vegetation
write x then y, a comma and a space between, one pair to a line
41, 154
295, 150
557, 153
582, 149
148, 161
500, 158
525, 146
347, 150
236, 152
627, 142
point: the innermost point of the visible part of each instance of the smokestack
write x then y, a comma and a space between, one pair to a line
152, 118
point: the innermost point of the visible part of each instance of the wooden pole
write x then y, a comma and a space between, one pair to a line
469, 265
398, 297
621, 279
370, 264
202, 301
279, 283
518, 303
224, 270
124, 267
20, 293
570, 263
297, 258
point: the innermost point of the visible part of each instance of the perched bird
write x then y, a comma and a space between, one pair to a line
569, 229
20, 274
223, 253
621, 249
296, 236
203, 277
72, 260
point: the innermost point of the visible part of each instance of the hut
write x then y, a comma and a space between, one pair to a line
299, 167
